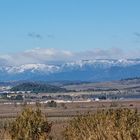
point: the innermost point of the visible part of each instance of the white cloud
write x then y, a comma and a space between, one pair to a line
50, 55
37, 55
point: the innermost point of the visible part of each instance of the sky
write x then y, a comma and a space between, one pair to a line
70, 26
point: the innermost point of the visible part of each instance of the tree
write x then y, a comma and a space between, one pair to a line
52, 104
30, 125
19, 97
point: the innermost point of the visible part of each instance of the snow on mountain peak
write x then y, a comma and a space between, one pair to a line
47, 68
32, 68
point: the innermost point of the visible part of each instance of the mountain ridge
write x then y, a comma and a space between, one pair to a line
83, 70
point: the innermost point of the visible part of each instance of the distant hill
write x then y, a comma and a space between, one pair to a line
38, 88
133, 78
129, 83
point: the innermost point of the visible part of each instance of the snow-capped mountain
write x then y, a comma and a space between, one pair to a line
85, 70
32, 68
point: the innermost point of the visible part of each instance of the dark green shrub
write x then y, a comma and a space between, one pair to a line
52, 104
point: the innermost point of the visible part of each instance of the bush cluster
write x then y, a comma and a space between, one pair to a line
30, 125
119, 124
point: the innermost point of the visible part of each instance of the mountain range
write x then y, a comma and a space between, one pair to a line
83, 70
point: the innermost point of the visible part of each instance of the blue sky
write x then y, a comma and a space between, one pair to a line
74, 25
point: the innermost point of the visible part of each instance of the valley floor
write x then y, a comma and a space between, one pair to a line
61, 114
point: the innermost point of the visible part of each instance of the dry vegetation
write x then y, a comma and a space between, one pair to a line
29, 125
106, 121
119, 124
